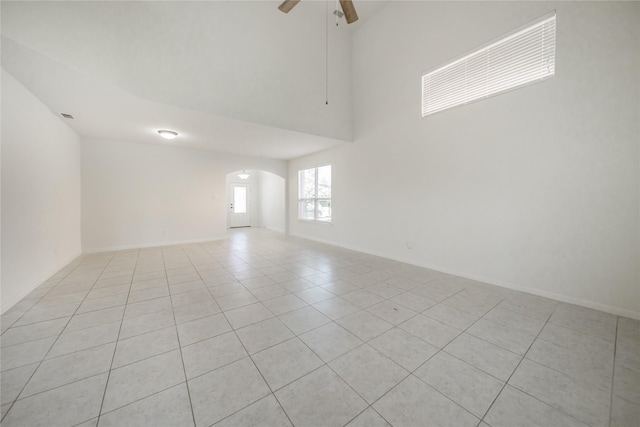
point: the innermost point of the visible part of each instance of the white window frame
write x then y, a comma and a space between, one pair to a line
499, 66
315, 199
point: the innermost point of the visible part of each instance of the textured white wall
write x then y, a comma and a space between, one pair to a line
136, 195
40, 192
272, 201
535, 189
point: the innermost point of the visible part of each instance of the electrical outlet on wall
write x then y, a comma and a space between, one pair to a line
409, 245
164, 232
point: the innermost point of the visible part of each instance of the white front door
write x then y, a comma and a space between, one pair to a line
238, 205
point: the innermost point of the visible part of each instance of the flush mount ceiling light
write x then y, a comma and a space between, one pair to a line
168, 134
243, 175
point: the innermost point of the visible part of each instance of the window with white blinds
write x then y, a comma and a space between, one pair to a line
522, 57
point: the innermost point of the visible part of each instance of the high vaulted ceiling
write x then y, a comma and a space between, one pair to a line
234, 76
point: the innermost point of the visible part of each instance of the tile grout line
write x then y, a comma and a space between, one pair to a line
548, 404
137, 400
296, 336
412, 373
613, 369
365, 343
49, 288
54, 342
242, 255
579, 333
115, 349
70, 382
248, 356
516, 368
175, 325
256, 366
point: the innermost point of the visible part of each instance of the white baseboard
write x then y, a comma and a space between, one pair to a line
8, 303
538, 292
151, 245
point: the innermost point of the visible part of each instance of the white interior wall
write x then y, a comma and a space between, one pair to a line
272, 201
536, 189
136, 195
40, 192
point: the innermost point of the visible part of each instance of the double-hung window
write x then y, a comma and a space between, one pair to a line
314, 194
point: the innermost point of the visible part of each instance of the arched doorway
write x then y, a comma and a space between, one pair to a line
255, 198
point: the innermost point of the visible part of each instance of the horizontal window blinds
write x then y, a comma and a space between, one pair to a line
522, 57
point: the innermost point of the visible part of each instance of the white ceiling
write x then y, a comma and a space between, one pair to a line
230, 76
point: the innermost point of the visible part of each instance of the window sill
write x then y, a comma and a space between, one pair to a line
312, 221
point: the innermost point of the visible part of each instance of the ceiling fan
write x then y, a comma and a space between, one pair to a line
347, 7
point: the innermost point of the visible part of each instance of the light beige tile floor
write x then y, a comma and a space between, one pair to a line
265, 329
